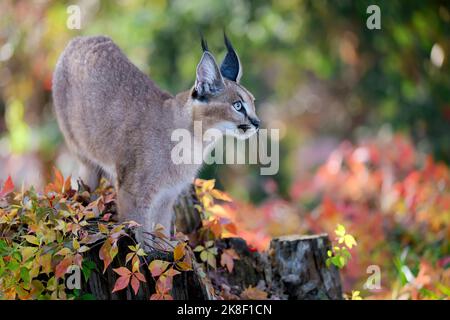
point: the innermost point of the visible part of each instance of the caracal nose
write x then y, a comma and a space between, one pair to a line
255, 122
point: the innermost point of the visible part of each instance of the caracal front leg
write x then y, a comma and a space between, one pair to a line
148, 212
90, 175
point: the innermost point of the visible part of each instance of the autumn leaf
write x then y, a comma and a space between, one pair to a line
164, 284
31, 239
349, 241
179, 251
355, 295
220, 195
68, 184
78, 260
136, 278
135, 264
157, 267
63, 252
340, 230
45, 261
135, 284
214, 226
103, 228
7, 188
253, 293
107, 253
62, 267
158, 231
121, 283
27, 253
124, 279
122, 271
171, 272
57, 185
184, 266
227, 259
161, 296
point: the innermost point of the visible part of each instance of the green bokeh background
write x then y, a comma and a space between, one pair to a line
317, 72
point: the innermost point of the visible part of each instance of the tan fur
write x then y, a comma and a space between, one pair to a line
119, 123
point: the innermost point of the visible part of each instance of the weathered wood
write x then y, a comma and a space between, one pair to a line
293, 268
299, 270
186, 286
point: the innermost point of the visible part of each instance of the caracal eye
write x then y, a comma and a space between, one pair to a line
237, 105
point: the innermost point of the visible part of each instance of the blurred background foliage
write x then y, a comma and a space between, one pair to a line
318, 74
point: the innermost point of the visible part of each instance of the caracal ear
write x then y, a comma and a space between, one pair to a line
209, 81
231, 67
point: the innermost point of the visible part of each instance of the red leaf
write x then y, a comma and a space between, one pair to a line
67, 184
135, 284
59, 179
159, 296
164, 284
122, 271
58, 182
227, 259
106, 217
252, 293
62, 267
121, 283
172, 272
105, 255
8, 187
78, 260
140, 276
157, 267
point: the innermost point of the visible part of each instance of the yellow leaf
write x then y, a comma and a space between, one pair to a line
219, 211
27, 252
220, 195
208, 185
349, 241
179, 251
63, 252
45, 262
340, 230
356, 296
184, 266
31, 239
157, 267
75, 244
135, 263
103, 228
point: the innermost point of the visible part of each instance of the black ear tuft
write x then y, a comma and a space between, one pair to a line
204, 44
231, 66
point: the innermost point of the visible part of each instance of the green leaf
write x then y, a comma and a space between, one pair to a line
211, 260
87, 268
13, 265
204, 256
199, 248
25, 274
31, 239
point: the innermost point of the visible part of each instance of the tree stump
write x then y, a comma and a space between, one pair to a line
299, 270
293, 268
186, 286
